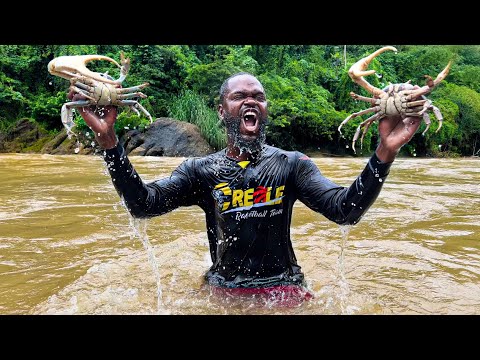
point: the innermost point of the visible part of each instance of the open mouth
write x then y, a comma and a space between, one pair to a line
250, 120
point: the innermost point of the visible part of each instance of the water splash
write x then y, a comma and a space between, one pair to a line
344, 289
140, 229
67, 120
67, 116
69, 123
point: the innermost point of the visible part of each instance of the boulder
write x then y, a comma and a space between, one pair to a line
167, 137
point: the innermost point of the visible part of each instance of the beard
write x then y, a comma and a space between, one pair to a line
252, 146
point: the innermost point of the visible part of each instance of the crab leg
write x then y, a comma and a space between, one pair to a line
66, 114
133, 88
439, 117
131, 95
364, 132
427, 120
137, 105
83, 86
414, 113
86, 85
372, 101
416, 103
135, 110
370, 120
82, 91
376, 109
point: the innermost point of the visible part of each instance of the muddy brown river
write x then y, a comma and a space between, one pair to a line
68, 246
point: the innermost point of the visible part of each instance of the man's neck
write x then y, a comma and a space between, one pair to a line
236, 154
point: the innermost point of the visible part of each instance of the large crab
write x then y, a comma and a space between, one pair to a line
98, 89
402, 99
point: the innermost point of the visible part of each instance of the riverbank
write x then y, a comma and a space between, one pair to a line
165, 137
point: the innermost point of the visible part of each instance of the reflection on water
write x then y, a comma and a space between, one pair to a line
67, 246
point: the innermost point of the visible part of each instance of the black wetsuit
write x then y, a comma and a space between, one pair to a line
248, 206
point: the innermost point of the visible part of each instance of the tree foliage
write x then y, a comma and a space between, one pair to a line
307, 89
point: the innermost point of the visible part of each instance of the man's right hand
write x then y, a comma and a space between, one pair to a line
100, 120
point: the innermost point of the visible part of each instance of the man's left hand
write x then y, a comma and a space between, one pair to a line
394, 133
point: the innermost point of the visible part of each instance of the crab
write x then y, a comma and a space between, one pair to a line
97, 88
402, 99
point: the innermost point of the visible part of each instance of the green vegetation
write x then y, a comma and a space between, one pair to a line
190, 107
307, 88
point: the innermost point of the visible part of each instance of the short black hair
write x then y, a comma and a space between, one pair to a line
224, 87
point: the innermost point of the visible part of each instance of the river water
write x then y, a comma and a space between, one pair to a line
68, 246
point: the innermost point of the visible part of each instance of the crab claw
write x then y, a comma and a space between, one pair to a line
431, 84
359, 70
443, 74
124, 68
73, 66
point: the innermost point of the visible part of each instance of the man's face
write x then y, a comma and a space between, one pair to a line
244, 111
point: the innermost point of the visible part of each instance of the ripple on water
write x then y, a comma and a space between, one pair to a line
443, 233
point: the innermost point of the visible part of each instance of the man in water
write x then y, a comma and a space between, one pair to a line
248, 189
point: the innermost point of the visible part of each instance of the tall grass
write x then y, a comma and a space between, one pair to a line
5, 125
190, 107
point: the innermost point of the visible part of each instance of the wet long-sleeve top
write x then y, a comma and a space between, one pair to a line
248, 206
